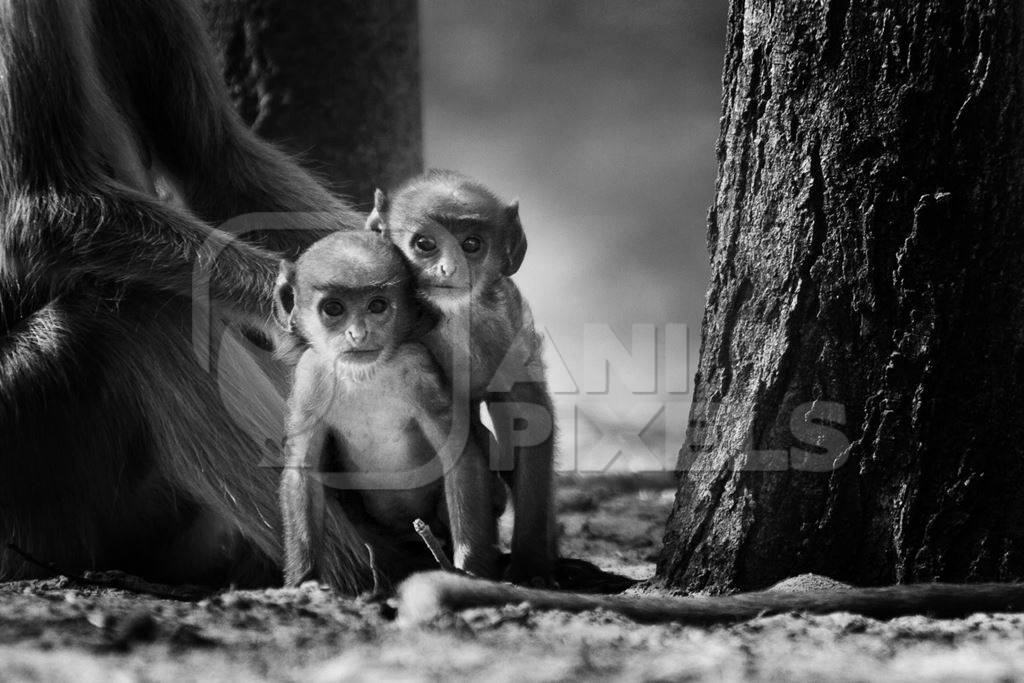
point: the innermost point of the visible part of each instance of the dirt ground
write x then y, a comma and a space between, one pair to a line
50, 630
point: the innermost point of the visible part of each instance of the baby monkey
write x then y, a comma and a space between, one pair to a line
464, 245
368, 418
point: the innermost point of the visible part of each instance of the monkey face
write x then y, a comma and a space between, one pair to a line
348, 297
358, 327
457, 236
448, 262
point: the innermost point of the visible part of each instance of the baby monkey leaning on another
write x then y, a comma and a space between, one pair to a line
464, 245
369, 419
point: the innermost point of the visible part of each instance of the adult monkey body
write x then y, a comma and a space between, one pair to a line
116, 144
424, 597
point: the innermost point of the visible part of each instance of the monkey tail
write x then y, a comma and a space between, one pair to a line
423, 597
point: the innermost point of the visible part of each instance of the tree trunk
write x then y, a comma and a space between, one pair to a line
336, 82
868, 270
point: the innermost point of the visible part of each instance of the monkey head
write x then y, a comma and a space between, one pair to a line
457, 236
349, 296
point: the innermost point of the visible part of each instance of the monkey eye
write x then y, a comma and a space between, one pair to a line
377, 305
332, 308
424, 244
471, 245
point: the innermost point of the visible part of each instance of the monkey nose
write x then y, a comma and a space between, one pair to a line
356, 336
448, 269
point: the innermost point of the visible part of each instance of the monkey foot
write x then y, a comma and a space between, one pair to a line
571, 574
528, 576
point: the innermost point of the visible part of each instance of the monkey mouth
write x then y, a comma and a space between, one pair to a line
448, 290
361, 355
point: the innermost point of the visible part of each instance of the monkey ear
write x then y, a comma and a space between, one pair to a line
284, 295
375, 221
515, 240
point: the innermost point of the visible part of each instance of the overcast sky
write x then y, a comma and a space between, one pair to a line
601, 116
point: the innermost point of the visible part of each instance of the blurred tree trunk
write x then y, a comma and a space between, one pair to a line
867, 246
335, 81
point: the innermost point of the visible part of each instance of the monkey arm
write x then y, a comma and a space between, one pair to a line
319, 538
118, 235
425, 596
302, 508
320, 541
178, 99
302, 493
71, 128
534, 536
519, 395
469, 496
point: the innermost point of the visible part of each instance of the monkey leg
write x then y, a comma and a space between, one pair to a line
302, 513
215, 432
322, 542
70, 445
117, 450
499, 484
534, 535
345, 563
160, 67
470, 498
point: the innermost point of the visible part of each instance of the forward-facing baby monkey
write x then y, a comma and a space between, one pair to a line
369, 418
463, 245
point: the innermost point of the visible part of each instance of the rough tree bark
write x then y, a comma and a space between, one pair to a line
335, 81
867, 249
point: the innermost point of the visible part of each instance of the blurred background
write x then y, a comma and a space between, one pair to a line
601, 116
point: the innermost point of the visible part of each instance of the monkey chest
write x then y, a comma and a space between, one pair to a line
409, 484
379, 430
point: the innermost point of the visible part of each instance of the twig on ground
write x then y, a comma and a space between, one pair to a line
433, 545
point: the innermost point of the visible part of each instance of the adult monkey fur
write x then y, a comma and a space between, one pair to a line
118, 150
368, 414
464, 245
